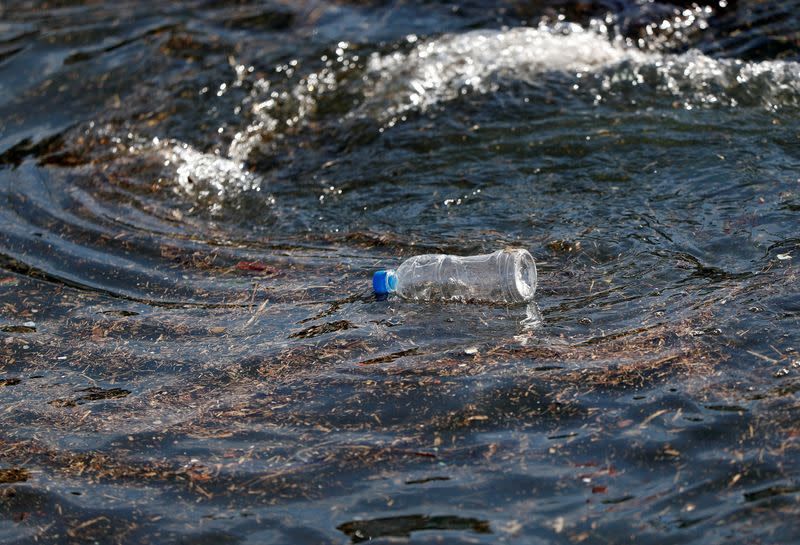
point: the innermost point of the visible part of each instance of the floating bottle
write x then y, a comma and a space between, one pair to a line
506, 276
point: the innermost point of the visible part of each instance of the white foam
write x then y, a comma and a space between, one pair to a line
473, 62
441, 69
198, 171
695, 79
206, 177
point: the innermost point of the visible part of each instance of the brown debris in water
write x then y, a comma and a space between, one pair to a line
14, 475
629, 360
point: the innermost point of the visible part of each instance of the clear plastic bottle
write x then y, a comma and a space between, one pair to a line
506, 276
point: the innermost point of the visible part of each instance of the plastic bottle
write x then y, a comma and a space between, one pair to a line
505, 276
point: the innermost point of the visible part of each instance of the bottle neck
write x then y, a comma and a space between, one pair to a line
384, 282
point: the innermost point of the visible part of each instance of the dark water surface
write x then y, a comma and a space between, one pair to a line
193, 196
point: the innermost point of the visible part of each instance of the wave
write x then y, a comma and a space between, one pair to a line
382, 88
478, 62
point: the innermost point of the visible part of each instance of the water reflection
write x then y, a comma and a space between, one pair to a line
403, 526
190, 210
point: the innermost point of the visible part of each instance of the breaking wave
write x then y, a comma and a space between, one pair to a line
383, 88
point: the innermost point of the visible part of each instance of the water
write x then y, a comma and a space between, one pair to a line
194, 196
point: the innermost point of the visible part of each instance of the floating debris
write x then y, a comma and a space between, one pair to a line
14, 475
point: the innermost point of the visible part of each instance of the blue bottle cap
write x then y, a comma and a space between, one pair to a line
384, 282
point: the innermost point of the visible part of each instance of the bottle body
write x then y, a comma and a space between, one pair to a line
506, 276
